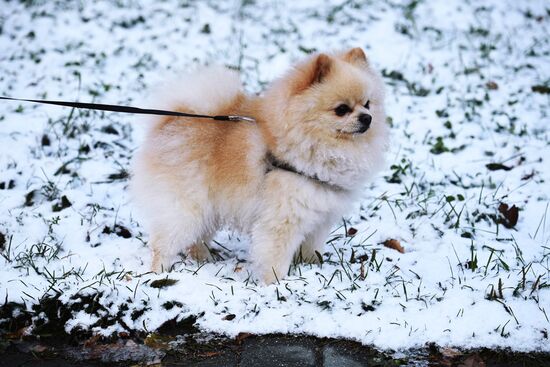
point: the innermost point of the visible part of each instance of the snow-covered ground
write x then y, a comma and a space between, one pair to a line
467, 99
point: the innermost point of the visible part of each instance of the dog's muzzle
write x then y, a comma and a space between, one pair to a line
365, 121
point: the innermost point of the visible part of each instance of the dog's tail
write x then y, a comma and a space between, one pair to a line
208, 90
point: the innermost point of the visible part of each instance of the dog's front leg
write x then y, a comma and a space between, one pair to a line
314, 244
274, 243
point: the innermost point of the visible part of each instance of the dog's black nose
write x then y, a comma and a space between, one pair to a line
364, 120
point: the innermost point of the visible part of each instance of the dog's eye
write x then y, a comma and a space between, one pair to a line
367, 105
342, 110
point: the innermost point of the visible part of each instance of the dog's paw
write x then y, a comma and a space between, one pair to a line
269, 279
161, 263
157, 266
272, 276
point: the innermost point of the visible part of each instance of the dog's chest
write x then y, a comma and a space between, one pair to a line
281, 194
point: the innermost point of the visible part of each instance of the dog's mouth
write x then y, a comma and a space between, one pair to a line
362, 129
341, 134
364, 121
359, 131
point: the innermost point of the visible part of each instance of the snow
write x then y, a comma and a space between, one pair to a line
463, 280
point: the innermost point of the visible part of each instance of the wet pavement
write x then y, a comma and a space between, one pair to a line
246, 351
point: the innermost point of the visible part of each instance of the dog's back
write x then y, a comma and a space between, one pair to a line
188, 170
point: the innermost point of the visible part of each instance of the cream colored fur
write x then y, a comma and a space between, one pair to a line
193, 177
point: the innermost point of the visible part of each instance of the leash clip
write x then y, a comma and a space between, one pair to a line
240, 118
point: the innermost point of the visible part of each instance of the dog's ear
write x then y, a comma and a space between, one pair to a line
321, 68
356, 56
313, 71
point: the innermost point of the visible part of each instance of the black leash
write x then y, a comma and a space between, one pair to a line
275, 163
271, 159
129, 109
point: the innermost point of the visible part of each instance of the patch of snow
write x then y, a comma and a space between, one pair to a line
463, 281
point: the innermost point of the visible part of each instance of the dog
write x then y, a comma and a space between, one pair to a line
320, 133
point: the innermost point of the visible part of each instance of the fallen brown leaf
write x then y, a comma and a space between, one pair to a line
491, 85
509, 216
124, 335
394, 244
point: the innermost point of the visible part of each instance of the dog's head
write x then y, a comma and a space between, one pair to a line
326, 117
335, 97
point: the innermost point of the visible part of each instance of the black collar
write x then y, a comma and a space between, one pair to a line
275, 163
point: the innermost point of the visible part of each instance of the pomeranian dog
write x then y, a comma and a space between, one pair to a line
320, 132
